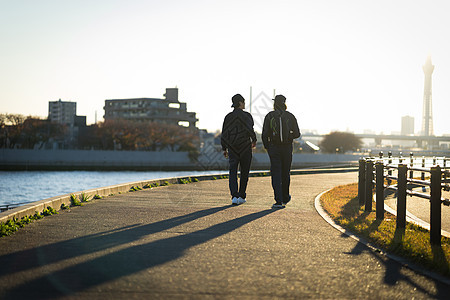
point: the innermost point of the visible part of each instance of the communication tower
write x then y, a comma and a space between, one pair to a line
427, 113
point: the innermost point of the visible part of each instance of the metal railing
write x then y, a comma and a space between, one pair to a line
375, 172
6, 207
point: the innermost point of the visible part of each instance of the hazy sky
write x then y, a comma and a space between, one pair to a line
343, 65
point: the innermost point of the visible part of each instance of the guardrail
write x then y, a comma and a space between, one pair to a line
378, 173
6, 207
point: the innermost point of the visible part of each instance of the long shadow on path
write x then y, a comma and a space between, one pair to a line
56, 252
125, 262
393, 272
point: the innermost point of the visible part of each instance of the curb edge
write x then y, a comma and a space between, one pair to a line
374, 248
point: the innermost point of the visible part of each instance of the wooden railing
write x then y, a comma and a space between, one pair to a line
391, 173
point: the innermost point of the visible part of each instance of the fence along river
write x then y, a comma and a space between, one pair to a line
374, 171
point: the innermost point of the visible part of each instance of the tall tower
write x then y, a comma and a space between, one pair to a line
427, 113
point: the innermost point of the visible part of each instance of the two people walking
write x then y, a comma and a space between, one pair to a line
238, 138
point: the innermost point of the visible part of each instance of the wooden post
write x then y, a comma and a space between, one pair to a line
401, 196
422, 176
379, 170
435, 206
411, 165
362, 182
369, 185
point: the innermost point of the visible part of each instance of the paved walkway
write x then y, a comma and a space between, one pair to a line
186, 241
420, 208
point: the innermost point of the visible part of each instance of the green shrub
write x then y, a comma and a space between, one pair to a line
185, 180
134, 189
49, 211
26, 220
84, 197
37, 216
14, 224
74, 201
150, 185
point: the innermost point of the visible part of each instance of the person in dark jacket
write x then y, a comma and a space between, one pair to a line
280, 128
237, 139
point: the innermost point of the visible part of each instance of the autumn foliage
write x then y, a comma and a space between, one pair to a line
17, 131
150, 136
26, 132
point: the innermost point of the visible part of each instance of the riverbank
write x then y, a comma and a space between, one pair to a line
60, 201
65, 199
23, 159
202, 245
19, 187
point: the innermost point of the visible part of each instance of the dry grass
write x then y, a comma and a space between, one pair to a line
342, 204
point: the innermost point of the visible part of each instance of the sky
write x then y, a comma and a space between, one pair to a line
349, 65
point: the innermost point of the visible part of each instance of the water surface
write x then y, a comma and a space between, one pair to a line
28, 186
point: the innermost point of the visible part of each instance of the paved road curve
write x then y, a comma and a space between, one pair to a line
186, 241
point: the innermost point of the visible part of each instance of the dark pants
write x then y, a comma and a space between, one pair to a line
244, 160
280, 169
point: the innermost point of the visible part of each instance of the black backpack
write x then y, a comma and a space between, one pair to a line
280, 127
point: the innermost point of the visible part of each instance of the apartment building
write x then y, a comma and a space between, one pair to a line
62, 112
167, 110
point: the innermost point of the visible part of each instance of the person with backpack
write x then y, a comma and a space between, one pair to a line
280, 128
237, 139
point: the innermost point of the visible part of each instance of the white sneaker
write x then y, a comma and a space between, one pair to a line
235, 201
278, 205
241, 200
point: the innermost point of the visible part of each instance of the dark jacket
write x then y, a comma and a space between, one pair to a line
237, 131
280, 127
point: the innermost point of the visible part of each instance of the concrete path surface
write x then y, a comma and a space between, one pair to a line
420, 208
187, 241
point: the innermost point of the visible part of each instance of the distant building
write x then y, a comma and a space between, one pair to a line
168, 110
79, 121
407, 125
65, 113
62, 112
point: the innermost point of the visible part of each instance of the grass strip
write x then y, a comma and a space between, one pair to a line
413, 242
11, 226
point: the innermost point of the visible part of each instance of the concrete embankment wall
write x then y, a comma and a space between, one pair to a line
21, 159
56, 202
86, 159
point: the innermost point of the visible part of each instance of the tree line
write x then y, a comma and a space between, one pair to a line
18, 131
134, 135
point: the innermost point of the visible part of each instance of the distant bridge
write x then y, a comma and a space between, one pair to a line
419, 139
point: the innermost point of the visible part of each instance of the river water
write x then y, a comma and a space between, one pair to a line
28, 186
